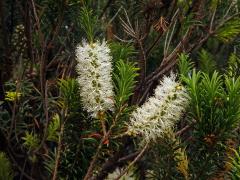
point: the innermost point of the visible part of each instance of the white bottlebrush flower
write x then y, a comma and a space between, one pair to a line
94, 70
161, 111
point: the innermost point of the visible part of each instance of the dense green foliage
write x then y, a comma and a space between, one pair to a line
45, 132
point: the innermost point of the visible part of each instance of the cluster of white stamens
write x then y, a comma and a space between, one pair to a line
94, 70
161, 111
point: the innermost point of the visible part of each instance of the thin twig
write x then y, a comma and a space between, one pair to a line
59, 149
212, 20
111, 20
37, 23
143, 60
228, 10
133, 162
170, 39
154, 44
94, 159
226, 20
186, 128
45, 106
102, 120
128, 157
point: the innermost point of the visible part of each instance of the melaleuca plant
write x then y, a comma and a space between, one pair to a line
215, 103
75, 128
151, 120
105, 98
99, 94
117, 98
214, 113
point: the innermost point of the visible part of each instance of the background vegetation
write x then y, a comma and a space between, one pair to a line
46, 134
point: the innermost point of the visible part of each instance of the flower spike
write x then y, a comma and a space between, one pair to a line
94, 68
161, 111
